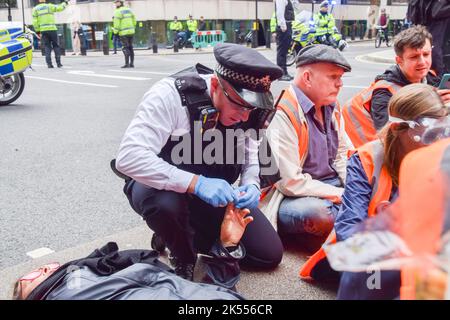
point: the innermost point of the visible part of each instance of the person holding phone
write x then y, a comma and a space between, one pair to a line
367, 112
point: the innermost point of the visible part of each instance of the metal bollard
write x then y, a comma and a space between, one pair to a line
154, 44
41, 44
254, 38
353, 32
175, 46
105, 44
268, 39
61, 43
369, 34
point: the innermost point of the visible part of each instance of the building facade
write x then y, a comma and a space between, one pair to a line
235, 17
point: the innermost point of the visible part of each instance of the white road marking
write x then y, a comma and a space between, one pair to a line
44, 65
73, 82
39, 252
361, 59
98, 75
357, 87
149, 72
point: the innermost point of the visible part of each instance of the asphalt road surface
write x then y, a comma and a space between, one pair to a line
57, 191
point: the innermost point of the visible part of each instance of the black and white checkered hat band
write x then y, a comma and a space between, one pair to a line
246, 81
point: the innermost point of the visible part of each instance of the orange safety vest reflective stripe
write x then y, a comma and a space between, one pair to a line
358, 121
428, 166
372, 158
290, 106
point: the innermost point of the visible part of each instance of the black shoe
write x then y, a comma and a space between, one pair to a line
286, 77
59, 65
184, 270
131, 65
158, 243
125, 66
50, 66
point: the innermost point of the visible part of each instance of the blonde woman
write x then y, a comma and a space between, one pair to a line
372, 170
417, 117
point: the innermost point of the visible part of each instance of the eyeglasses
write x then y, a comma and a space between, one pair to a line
245, 107
38, 272
426, 130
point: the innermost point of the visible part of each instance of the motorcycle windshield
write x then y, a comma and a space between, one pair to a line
10, 30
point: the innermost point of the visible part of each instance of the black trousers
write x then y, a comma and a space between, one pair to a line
438, 30
189, 225
50, 41
127, 48
283, 42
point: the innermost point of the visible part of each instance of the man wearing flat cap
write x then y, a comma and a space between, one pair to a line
308, 138
186, 147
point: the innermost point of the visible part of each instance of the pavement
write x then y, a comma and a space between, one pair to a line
59, 193
166, 51
386, 56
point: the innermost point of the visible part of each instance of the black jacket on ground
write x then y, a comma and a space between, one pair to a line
381, 97
108, 273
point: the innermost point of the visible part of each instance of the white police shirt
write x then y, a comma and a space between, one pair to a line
160, 115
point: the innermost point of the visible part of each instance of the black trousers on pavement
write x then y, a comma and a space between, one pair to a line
189, 225
50, 41
283, 42
127, 49
438, 30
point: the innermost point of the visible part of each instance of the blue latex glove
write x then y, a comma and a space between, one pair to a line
248, 196
216, 192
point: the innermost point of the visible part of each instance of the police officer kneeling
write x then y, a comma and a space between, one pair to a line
179, 192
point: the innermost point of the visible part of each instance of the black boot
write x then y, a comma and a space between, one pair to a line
286, 76
127, 61
58, 62
182, 269
132, 60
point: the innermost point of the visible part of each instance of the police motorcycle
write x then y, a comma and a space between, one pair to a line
15, 57
333, 39
303, 34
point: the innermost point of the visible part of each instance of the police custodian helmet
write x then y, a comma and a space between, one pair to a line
248, 72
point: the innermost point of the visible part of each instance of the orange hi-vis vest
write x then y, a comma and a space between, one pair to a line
291, 107
424, 188
372, 158
357, 113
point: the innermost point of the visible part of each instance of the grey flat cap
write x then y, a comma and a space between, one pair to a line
322, 53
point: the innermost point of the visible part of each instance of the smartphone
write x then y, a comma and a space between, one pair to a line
445, 81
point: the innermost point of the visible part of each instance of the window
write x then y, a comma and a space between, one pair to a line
36, 2
4, 4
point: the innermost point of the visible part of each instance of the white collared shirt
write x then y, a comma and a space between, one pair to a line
159, 116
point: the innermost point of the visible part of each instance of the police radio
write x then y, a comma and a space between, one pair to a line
209, 117
261, 118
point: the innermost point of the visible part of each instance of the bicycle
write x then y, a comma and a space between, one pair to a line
382, 35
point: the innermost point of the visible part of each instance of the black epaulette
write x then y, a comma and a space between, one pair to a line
192, 89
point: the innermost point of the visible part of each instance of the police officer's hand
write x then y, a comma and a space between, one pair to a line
233, 225
283, 28
248, 196
216, 192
